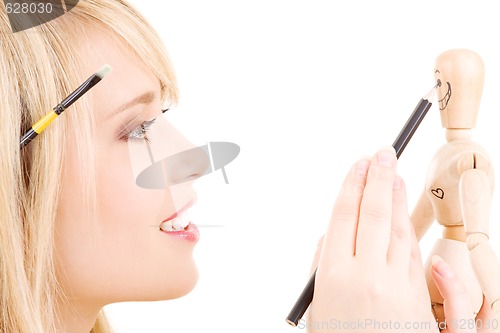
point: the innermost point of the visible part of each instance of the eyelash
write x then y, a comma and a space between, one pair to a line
140, 132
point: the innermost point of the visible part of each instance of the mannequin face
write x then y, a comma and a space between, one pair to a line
461, 73
444, 89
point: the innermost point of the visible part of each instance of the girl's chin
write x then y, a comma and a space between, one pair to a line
182, 286
185, 287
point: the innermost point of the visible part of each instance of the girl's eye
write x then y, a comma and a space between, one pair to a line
141, 131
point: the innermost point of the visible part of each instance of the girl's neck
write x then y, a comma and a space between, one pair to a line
76, 317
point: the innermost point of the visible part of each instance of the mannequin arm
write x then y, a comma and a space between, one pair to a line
475, 198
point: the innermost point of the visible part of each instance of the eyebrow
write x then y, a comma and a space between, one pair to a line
146, 98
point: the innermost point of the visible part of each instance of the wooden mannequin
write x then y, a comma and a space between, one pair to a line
459, 185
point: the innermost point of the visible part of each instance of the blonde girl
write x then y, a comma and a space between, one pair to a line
70, 210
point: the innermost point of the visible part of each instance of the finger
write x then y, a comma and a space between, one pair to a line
399, 253
457, 305
416, 264
374, 226
340, 238
416, 268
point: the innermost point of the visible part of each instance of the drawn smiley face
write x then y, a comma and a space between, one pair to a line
444, 90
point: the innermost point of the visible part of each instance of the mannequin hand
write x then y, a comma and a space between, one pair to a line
370, 275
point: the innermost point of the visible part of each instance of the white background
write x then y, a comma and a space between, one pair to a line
305, 88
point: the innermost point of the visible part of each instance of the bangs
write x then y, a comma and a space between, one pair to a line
134, 33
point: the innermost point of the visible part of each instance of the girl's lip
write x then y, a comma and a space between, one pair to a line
186, 207
190, 233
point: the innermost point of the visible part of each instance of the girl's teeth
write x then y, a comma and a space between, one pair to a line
166, 226
181, 221
176, 224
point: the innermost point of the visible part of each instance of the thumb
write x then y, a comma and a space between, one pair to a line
457, 305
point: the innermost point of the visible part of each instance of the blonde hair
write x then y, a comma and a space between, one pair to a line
38, 68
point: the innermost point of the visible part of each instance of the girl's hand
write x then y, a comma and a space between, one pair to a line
370, 276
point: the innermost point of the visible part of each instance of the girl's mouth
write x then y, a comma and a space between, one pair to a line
189, 232
179, 225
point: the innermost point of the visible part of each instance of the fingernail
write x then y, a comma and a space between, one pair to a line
362, 167
441, 267
386, 157
398, 182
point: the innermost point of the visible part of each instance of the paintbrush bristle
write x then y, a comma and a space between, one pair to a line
104, 71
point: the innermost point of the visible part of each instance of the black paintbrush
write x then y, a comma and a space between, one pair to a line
40, 125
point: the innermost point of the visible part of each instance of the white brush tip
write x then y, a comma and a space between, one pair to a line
104, 71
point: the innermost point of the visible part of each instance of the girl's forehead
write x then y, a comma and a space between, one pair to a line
130, 76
